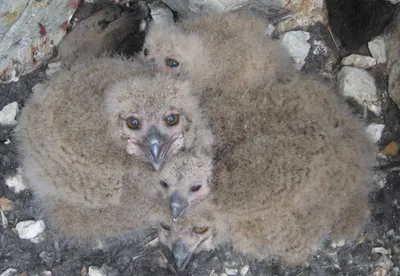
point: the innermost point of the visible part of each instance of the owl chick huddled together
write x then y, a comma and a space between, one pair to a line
93, 141
291, 163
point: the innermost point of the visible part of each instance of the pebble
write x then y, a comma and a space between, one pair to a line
359, 61
296, 43
161, 13
8, 113
16, 183
379, 272
4, 221
396, 271
374, 131
394, 83
9, 272
231, 271
377, 48
384, 262
243, 271
379, 250
96, 271
360, 85
30, 229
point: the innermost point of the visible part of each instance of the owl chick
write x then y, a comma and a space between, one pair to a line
219, 51
302, 170
76, 131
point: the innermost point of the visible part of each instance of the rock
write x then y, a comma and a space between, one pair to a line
379, 272
396, 271
30, 32
360, 85
384, 262
391, 149
231, 271
305, 13
10, 272
374, 131
224, 274
30, 229
5, 204
379, 250
243, 271
394, 82
8, 113
161, 13
296, 43
377, 49
359, 61
96, 271
16, 183
4, 220
380, 180
394, 2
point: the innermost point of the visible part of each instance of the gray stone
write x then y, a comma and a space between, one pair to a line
30, 229
9, 272
394, 2
360, 85
359, 61
30, 33
296, 43
384, 262
394, 82
374, 131
8, 113
161, 13
378, 49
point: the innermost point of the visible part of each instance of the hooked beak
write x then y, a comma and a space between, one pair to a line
156, 148
178, 206
181, 254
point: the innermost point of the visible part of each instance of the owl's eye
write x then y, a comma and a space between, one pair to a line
200, 230
195, 188
172, 119
164, 226
164, 184
170, 62
133, 122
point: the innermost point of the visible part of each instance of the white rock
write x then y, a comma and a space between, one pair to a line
320, 48
394, 2
296, 43
4, 220
47, 273
8, 113
379, 250
360, 85
9, 272
6, 142
96, 271
380, 180
374, 131
16, 183
224, 274
243, 271
384, 262
394, 82
161, 13
231, 271
359, 61
30, 229
377, 48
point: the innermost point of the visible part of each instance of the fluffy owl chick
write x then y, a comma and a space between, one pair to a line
221, 51
75, 134
183, 181
302, 170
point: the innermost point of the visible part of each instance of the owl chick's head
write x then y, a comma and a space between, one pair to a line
152, 116
194, 233
184, 181
171, 50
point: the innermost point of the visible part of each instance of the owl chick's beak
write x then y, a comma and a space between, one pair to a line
156, 147
182, 254
178, 206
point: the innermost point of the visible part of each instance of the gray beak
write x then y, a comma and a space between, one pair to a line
181, 254
178, 206
156, 147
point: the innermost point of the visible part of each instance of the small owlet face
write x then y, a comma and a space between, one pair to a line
184, 182
188, 236
172, 51
151, 116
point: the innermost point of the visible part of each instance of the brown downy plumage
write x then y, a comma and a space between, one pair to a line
301, 168
218, 51
76, 130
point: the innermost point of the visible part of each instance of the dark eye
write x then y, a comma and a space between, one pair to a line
132, 122
200, 230
172, 119
145, 52
195, 188
171, 62
164, 226
164, 184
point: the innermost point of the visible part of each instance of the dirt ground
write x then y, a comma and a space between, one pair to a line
132, 258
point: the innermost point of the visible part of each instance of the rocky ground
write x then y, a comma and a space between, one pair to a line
28, 247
